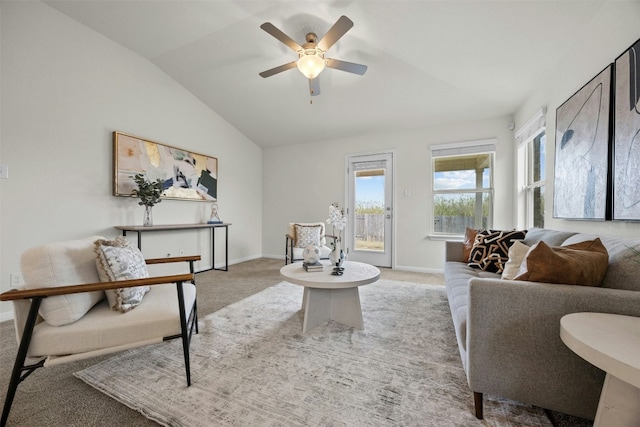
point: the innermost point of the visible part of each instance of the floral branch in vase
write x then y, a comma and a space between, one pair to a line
148, 192
337, 220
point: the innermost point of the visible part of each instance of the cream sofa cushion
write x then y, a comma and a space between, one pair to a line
156, 317
62, 264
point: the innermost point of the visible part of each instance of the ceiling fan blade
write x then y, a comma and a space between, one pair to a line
342, 25
314, 86
275, 32
276, 70
349, 67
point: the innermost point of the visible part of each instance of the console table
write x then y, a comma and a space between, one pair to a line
177, 227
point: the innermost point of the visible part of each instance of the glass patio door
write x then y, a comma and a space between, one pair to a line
370, 209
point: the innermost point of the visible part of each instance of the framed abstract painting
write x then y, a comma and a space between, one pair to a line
626, 147
583, 132
186, 175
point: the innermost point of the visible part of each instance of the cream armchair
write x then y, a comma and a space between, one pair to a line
62, 315
302, 234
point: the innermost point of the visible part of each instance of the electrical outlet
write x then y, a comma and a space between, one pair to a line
16, 280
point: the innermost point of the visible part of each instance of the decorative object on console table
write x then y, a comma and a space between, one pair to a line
582, 152
214, 218
338, 221
149, 194
626, 148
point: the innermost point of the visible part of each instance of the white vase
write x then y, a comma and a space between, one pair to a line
337, 255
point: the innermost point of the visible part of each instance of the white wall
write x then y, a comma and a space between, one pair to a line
613, 30
301, 181
65, 89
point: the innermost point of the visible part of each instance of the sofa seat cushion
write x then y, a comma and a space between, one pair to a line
457, 275
62, 264
156, 317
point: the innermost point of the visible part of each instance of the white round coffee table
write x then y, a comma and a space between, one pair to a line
612, 343
328, 297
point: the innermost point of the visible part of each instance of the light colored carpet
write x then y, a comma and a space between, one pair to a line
252, 365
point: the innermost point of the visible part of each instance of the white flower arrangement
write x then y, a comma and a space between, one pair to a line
337, 220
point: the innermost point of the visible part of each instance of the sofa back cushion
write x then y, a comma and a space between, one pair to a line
624, 261
62, 264
550, 237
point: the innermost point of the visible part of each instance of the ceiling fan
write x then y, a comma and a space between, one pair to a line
311, 60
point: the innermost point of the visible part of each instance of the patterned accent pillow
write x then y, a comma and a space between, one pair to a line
307, 235
490, 250
120, 260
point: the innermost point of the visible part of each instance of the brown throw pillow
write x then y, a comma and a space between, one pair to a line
469, 238
583, 263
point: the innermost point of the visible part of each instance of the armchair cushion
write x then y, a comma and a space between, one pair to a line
120, 260
101, 327
61, 264
308, 234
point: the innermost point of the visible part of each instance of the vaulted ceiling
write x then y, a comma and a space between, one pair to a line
429, 62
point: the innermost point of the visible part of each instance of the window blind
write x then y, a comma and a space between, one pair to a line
463, 148
532, 128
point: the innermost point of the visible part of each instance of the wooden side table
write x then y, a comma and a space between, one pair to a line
612, 343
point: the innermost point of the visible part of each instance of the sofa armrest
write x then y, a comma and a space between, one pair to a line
454, 251
513, 340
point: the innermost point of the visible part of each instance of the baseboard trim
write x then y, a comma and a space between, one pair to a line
6, 316
419, 269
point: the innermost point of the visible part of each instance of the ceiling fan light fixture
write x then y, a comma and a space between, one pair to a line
311, 62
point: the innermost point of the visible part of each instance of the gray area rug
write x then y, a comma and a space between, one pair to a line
252, 365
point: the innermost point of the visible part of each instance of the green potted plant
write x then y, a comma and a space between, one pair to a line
149, 193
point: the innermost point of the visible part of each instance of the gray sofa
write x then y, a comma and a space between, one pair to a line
508, 331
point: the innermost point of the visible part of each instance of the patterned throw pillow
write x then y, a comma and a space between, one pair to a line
490, 250
120, 260
307, 235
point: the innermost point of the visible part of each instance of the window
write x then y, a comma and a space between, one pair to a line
531, 140
462, 187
